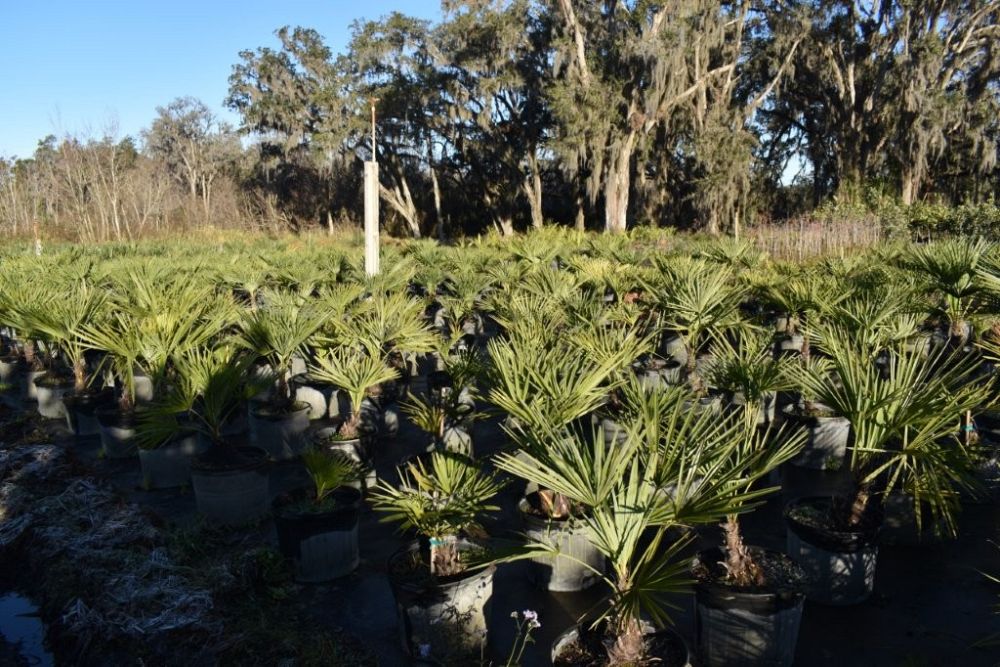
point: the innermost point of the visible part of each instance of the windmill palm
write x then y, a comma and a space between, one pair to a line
547, 381
442, 500
677, 468
62, 320
749, 372
357, 372
805, 297
698, 302
904, 420
951, 269
208, 393
279, 331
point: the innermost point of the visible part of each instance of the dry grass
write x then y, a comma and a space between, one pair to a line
808, 237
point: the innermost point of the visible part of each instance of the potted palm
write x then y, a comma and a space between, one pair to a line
448, 412
318, 527
167, 437
391, 327
677, 468
460, 298
277, 332
230, 479
749, 375
18, 310
550, 384
62, 321
801, 299
903, 418
442, 583
444, 418
749, 600
323, 397
118, 336
951, 271
695, 303
150, 327
359, 374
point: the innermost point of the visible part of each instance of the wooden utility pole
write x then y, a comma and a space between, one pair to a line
371, 206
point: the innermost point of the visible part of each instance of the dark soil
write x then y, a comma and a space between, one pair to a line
534, 508
225, 458
780, 572
411, 569
304, 503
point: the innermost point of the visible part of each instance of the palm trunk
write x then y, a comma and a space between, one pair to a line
859, 507
79, 375
629, 647
742, 569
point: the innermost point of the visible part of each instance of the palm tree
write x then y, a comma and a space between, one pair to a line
904, 419
277, 332
442, 501
209, 392
62, 320
153, 323
805, 297
677, 468
750, 373
357, 372
698, 302
951, 270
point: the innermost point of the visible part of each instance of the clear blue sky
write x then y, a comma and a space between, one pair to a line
71, 65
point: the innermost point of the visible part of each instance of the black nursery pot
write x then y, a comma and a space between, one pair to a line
50, 388
839, 563
745, 628
117, 430
231, 489
11, 367
450, 614
81, 408
323, 545
575, 566
281, 433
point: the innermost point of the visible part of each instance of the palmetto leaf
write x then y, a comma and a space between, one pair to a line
354, 371
441, 500
904, 418
329, 470
579, 465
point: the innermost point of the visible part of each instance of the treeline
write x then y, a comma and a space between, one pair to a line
603, 114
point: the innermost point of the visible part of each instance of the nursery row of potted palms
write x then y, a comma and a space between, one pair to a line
645, 393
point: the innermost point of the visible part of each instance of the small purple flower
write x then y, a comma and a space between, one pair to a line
425, 650
532, 618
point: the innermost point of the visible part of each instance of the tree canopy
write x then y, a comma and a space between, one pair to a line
601, 114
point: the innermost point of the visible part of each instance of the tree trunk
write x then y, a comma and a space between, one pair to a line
438, 219
910, 186
617, 184
581, 214
742, 569
533, 190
